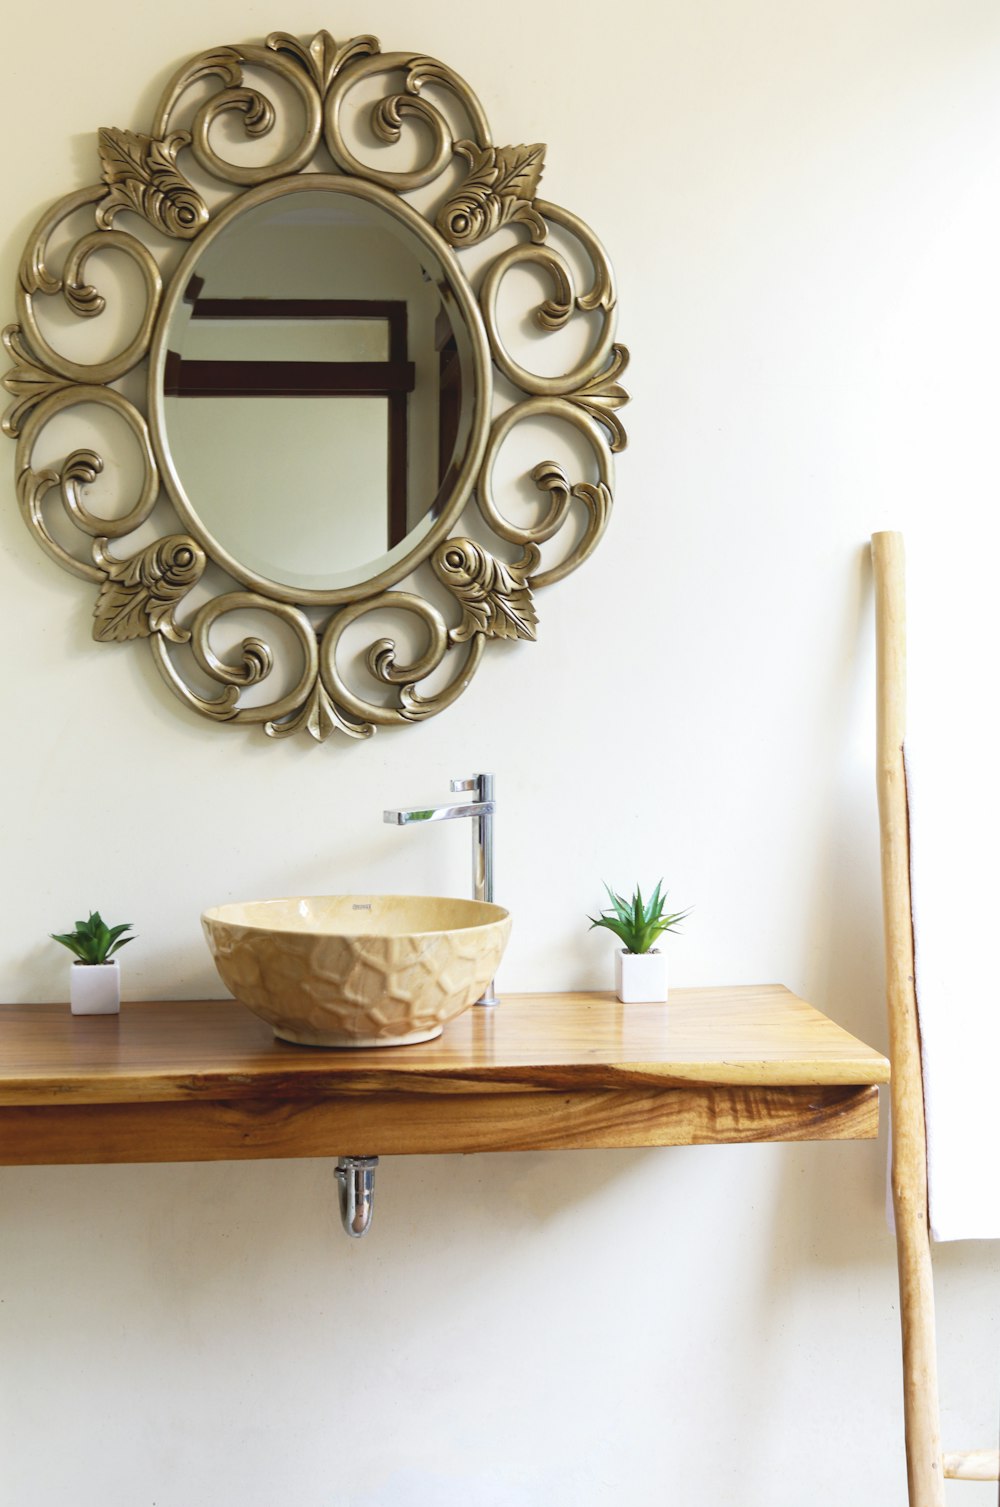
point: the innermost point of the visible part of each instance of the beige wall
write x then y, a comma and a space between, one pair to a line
802, 204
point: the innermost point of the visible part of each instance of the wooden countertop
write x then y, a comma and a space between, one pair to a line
204, 1080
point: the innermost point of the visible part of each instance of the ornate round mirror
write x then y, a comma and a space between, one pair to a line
328, 384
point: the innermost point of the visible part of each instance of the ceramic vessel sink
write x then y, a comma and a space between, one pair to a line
357, 970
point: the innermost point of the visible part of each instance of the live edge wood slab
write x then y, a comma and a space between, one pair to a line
203, 1080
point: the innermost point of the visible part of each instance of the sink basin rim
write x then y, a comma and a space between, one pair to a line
228, 914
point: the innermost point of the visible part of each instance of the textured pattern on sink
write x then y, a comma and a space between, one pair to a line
357, 970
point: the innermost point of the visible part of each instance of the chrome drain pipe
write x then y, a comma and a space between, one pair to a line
356, 1188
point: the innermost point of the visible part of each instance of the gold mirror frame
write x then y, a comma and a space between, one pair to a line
140, 595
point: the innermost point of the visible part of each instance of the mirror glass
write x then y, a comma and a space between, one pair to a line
317, 389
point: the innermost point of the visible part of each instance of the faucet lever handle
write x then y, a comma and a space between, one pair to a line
459, 785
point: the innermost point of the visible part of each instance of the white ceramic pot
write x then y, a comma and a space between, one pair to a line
641, 977
95, 988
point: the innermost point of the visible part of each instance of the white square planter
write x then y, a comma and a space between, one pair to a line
95, 988
641, 977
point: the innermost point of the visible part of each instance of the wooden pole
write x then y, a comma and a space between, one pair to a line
924, 1463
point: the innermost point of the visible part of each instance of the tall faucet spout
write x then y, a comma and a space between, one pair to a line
405, 816
481, 810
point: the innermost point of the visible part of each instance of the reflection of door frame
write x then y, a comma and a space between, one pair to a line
449, 391
393, 379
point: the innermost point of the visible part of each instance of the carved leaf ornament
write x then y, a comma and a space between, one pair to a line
138, 595
141, 175
143, 590
495, 598
501, 186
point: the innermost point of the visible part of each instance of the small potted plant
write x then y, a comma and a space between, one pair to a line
640, 968
94, 979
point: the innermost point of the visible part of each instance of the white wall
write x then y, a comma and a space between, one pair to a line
801, 202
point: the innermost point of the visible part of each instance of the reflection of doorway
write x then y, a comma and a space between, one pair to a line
391, 379
449, 393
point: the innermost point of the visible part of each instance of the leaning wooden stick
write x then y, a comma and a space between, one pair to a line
924, 1463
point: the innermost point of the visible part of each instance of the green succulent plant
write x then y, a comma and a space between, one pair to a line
637, 923
92, 942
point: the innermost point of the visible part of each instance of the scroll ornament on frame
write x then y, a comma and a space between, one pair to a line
501, 186
141, 175
495, 598
139, 595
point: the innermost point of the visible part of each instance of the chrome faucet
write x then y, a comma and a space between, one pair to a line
482, 810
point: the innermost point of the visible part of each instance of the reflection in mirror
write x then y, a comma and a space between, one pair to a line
313, 386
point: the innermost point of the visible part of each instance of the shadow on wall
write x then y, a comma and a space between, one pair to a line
845, 968
828, 1239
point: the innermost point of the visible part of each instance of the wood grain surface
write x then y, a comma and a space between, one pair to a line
925, 1473
193, 1080
972, 1465
402, 1124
